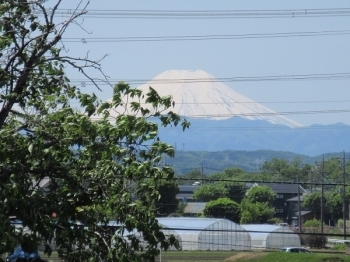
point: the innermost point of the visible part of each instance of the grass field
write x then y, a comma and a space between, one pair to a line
256, 256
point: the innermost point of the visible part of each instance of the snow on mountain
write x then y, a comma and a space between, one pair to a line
197, 94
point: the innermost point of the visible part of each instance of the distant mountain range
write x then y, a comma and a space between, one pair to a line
249, 161
222, 119
242, 134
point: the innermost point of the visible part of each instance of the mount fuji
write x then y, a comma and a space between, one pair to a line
222, 119
199, 95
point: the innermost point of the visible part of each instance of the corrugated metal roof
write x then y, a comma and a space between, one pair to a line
195, 207
283, 187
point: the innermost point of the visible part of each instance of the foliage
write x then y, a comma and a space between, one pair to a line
190, 178
249, 161
223, 208
168, 189
312, 223
256, 206
82, 166
339, 247
235, 191
340, 225
209, 192
181, 208
257, 213
229, 173
283, 170
314, 241
261, 256
262, 194
332, 203
312, 201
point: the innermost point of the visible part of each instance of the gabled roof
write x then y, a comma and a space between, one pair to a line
302, 213
295, 199
283, 188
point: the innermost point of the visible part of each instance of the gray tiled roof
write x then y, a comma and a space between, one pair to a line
283, 187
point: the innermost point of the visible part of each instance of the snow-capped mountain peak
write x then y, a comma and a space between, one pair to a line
197, 94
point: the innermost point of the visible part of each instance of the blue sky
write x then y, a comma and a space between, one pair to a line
248, 57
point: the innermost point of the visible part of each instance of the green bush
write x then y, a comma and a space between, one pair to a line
312, 223
339, 247
314, 241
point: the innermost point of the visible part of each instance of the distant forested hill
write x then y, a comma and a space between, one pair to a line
215, 162
242, 134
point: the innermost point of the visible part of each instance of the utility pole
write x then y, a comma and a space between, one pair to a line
299, 211
344, 206
202, 175
322, 174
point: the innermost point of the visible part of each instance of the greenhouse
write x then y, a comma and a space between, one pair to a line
206, 233
271, 236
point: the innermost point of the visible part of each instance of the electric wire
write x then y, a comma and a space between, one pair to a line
201, 37
253, 128
208, 14
304, 112
324, 76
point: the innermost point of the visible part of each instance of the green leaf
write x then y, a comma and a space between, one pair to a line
30, 148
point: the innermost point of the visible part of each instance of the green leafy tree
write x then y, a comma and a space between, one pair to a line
247, 216
190, 178
223, 208
209, 192
229, 173
63, 171
167, 204
257, 213
283, 170
261, 194
332, 203
312, 201
235, 191
279, 169
256, 207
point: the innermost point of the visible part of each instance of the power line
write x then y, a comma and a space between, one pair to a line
201, 37
208, 179
304, 77
311, 112
208, 14
255, 102
238, 128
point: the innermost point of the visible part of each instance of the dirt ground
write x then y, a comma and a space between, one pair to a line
246, 256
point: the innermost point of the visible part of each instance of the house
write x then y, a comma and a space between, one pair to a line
293, 212
186, 192
283, 191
